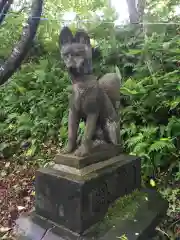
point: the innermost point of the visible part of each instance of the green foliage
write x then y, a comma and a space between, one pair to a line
151, 126
9, 33
34, 103
33, 106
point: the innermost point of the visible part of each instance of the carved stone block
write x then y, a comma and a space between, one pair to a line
136, 221
99, 153
77, 202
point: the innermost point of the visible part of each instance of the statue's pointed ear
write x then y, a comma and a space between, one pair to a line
65, 36
82, 37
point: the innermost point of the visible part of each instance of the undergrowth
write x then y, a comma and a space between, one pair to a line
33, 106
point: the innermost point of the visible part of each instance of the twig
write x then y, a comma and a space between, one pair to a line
178, 220
161, 231
48, 230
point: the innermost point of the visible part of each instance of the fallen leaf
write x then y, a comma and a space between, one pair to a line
33, 193
28, 199
7, 164
3, 173
20, 208
4, 229
152, 183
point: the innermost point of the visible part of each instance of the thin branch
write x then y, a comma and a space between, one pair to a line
161, 231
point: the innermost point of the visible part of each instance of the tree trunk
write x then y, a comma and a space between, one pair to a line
136, 10
133, 12
21, 49
2, 3
5, 10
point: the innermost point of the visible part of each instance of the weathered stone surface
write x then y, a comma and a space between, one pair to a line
78, 202
93, 168
134, 217
100, 154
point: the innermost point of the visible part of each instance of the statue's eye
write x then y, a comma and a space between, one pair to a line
67, 56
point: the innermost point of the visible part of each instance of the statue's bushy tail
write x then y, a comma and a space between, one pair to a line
111, 84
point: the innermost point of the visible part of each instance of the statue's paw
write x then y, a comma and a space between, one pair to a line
65, 151
81, 151
68, 149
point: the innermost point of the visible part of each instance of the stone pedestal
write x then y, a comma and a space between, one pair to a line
133, 218
80, 200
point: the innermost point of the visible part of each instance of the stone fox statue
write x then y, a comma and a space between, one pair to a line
94, 101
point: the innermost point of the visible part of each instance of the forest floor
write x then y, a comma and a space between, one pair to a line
17, 196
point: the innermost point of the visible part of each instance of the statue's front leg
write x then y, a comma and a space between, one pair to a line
73, 124
90, 128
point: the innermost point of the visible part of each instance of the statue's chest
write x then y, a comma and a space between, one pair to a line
82, 95
78, 96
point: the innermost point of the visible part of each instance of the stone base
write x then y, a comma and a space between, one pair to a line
78, 201
99, 154
133, 217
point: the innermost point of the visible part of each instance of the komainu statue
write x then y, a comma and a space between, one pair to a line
93, 101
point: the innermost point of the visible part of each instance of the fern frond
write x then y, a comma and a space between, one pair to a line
130, 83
130, 129
3, 115
140, 148
175, 103
149, 130
173, 127
162, 130
134, 140
160, 145
128, 64
127, 91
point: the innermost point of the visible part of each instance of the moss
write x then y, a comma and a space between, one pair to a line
124, 208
